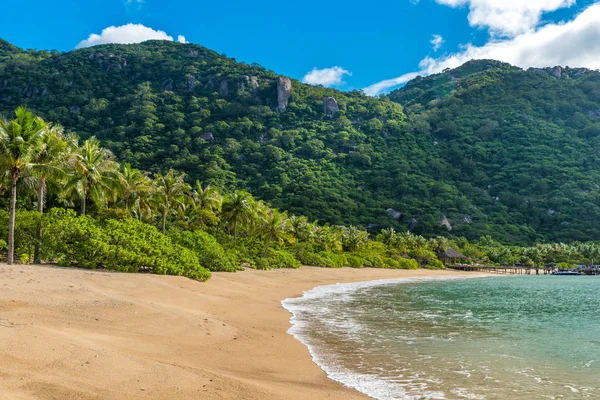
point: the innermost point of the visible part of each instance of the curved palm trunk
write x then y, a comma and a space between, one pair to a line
11, 220
267, 245
235, 232
164, 222
41, 196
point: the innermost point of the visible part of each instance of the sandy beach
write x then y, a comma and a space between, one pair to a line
79, 334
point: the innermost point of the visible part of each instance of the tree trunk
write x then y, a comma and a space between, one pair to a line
164, 222
41, 197
11, 220
235, 232
83, 205
267, 246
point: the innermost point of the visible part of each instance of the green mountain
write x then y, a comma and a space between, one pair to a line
528, 141
486, 149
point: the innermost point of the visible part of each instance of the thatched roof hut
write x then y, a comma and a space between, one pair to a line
450, 256
450, 253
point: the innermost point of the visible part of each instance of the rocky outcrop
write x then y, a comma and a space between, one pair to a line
254, 82
244, 80
594, 113
560, 72
224, 87
208, 136
330, 106
190, 83
394, 213
168, 85
412, 224
284, 92
557, 72
446, 222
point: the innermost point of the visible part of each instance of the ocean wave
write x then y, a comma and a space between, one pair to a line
311, 313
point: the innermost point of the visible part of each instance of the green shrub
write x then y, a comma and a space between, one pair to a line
407, 263
70, 240
391, 263
209, 252
246, 250
278, 259
26, 225
355, 261
311, 259
3, 246
373, 261
126, 245
435, 264
333, 260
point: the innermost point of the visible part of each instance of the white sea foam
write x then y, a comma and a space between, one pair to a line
368, 383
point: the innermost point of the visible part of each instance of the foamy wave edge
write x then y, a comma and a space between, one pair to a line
366, 384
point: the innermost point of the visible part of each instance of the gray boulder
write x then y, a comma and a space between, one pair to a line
224, 87
284, 92
446, 222
208, 136
557, 72
330, 106
412, 224
394, 213
254, 82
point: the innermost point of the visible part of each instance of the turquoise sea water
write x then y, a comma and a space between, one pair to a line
526, 337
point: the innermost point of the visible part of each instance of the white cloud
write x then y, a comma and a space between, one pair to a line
326, 76
382, 86
575, 43
437, 41
130, 33
507, 18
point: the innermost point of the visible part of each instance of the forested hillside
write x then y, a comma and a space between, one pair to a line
486, 149
525, 142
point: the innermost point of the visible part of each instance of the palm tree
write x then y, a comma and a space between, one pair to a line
353, 237
388, 237
300, 228
276, 227
95, 173
49, 163
327, 238
206, 198
132, 183
237, 207
20, 143
170, 195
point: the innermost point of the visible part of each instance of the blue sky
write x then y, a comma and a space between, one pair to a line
369, 43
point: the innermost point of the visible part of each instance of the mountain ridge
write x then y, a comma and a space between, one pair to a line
427, 157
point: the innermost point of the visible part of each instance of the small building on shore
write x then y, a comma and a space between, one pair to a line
450, 257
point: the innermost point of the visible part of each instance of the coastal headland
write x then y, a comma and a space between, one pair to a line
80, 334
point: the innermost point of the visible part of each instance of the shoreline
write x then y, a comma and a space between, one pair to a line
80, 334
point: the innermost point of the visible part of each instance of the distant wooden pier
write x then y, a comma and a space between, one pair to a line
522, 270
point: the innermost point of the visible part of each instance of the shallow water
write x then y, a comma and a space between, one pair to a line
527, 337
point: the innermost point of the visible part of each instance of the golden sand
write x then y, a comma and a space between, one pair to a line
79, 334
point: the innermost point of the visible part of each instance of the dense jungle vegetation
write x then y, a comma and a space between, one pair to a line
109, 215
486, 150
